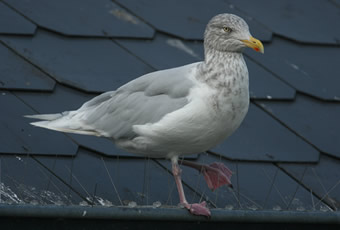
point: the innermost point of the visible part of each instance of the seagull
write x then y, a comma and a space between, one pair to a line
178, 111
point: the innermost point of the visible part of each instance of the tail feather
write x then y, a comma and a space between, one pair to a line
46, 117
48, 125
60, 122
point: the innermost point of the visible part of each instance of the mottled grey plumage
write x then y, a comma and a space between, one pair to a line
216, 39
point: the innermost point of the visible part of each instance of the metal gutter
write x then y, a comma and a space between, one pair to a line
167, 214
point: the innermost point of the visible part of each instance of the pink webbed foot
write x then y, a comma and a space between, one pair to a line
198, 209
216, 175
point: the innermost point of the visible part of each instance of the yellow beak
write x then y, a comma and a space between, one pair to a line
254, 44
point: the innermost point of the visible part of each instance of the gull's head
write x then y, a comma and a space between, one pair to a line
230, 33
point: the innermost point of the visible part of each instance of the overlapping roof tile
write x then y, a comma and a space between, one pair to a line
158, 51
265, 85
99, 180
13, 23
321, 179
18, 74
66, 60
311, 69
100, 18
302, 21
19, 137
26, 181
312, 119
262, 138
187, 19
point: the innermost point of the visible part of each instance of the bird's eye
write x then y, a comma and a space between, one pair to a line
227, 29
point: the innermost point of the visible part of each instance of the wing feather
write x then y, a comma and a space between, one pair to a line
113, 114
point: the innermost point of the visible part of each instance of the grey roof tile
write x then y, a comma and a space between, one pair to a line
321, 179
18, 74
61, 99
336, 2
261, 138
99, 18
271, 188
93, 65
303, 21
25, 181
187, 18
301, 66
175, 52
164, 51
118, 181
265, 85
316, 121
19, 137
13, 23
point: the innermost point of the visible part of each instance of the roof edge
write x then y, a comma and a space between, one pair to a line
152, 213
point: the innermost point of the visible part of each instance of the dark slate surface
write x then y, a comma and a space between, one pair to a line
284, 156
301, 66
336, 2
83, 18
63, 98
33, 184
187, 18
262, 138
19, 137
16, 73
297, 20
68, 61
158, 52
110, 181
263, 84
14, 23
322, 179
316, 121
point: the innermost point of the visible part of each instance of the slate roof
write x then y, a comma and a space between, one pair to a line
55, 55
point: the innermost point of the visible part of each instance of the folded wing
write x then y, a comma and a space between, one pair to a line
113, 114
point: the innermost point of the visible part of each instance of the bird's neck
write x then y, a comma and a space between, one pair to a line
215, 56
219, 66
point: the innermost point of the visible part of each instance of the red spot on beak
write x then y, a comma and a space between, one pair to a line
256, 49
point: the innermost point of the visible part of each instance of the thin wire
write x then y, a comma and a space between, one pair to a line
73, 176
297, 188
329, 191
114, 187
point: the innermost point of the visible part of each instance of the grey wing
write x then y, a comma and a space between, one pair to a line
144, 100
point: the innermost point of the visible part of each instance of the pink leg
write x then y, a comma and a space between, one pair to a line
196, 209
215, 174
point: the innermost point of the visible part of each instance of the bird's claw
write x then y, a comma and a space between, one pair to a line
199, 209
